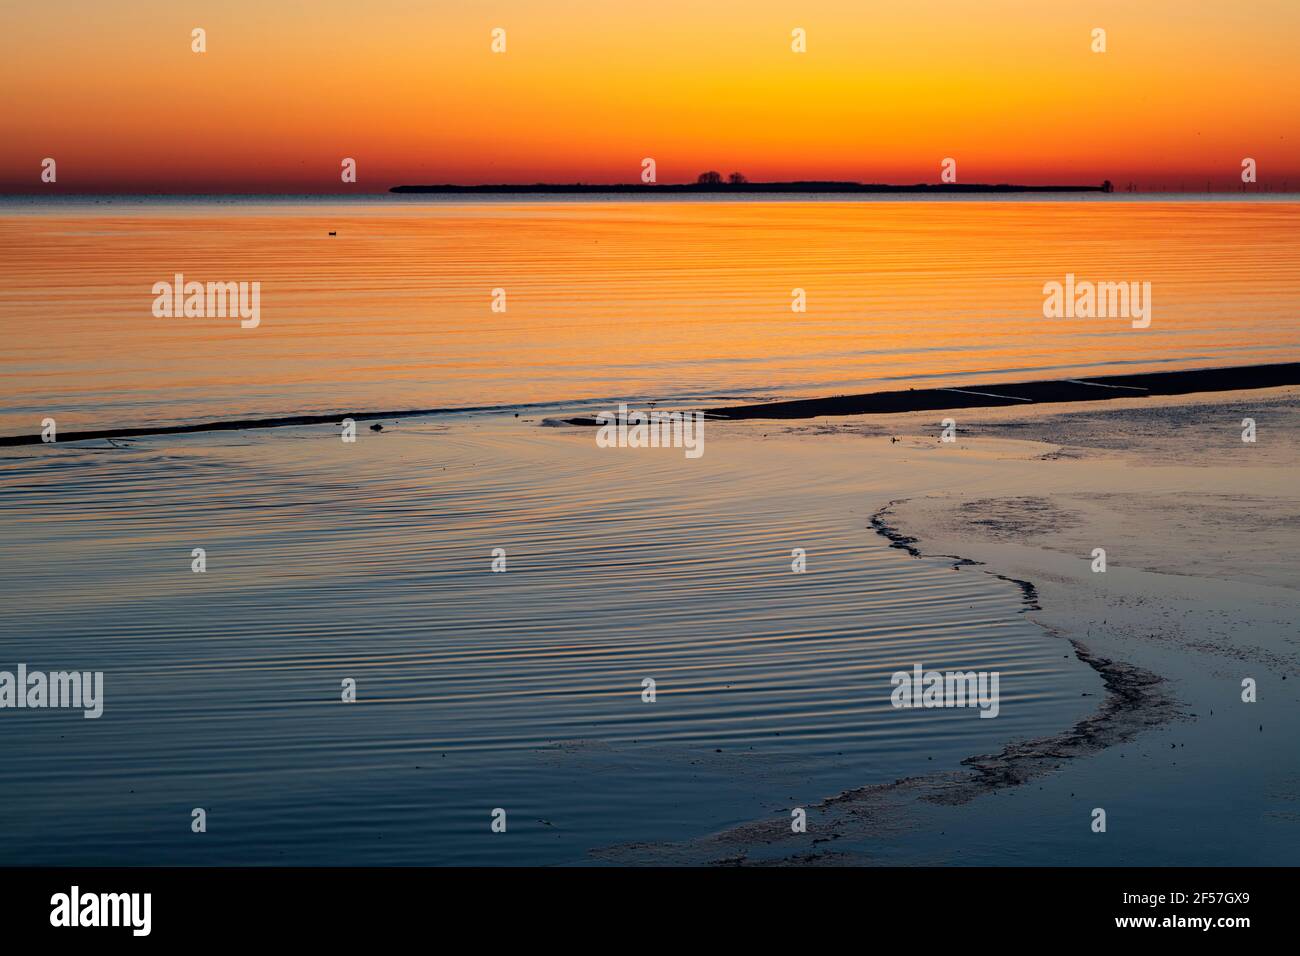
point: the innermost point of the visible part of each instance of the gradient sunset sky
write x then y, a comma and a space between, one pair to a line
586, 89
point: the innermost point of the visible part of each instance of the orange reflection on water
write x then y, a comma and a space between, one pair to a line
639, 299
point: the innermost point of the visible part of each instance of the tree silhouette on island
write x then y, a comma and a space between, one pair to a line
714, 178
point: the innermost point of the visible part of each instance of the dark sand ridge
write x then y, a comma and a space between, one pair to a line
237, 424
1097, 388
913, 400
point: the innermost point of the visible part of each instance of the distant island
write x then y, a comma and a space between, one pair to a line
712, 184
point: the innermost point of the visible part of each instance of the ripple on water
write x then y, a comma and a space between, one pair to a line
476, 690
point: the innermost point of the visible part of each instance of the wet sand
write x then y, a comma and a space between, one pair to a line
1201, 532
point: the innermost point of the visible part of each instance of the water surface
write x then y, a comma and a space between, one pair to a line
476, 690
682, 301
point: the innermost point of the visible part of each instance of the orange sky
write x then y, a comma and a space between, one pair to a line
587, 88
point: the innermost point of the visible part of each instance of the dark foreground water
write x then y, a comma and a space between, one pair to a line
475, 690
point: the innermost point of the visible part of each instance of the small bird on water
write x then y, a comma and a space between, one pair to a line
376, 427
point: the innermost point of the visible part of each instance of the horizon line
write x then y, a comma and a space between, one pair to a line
723, 186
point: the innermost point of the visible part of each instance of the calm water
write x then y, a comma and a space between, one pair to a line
677, 301
476, 689
371, 561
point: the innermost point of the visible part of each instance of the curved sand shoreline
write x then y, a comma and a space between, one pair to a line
1171, 629
1136, 699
